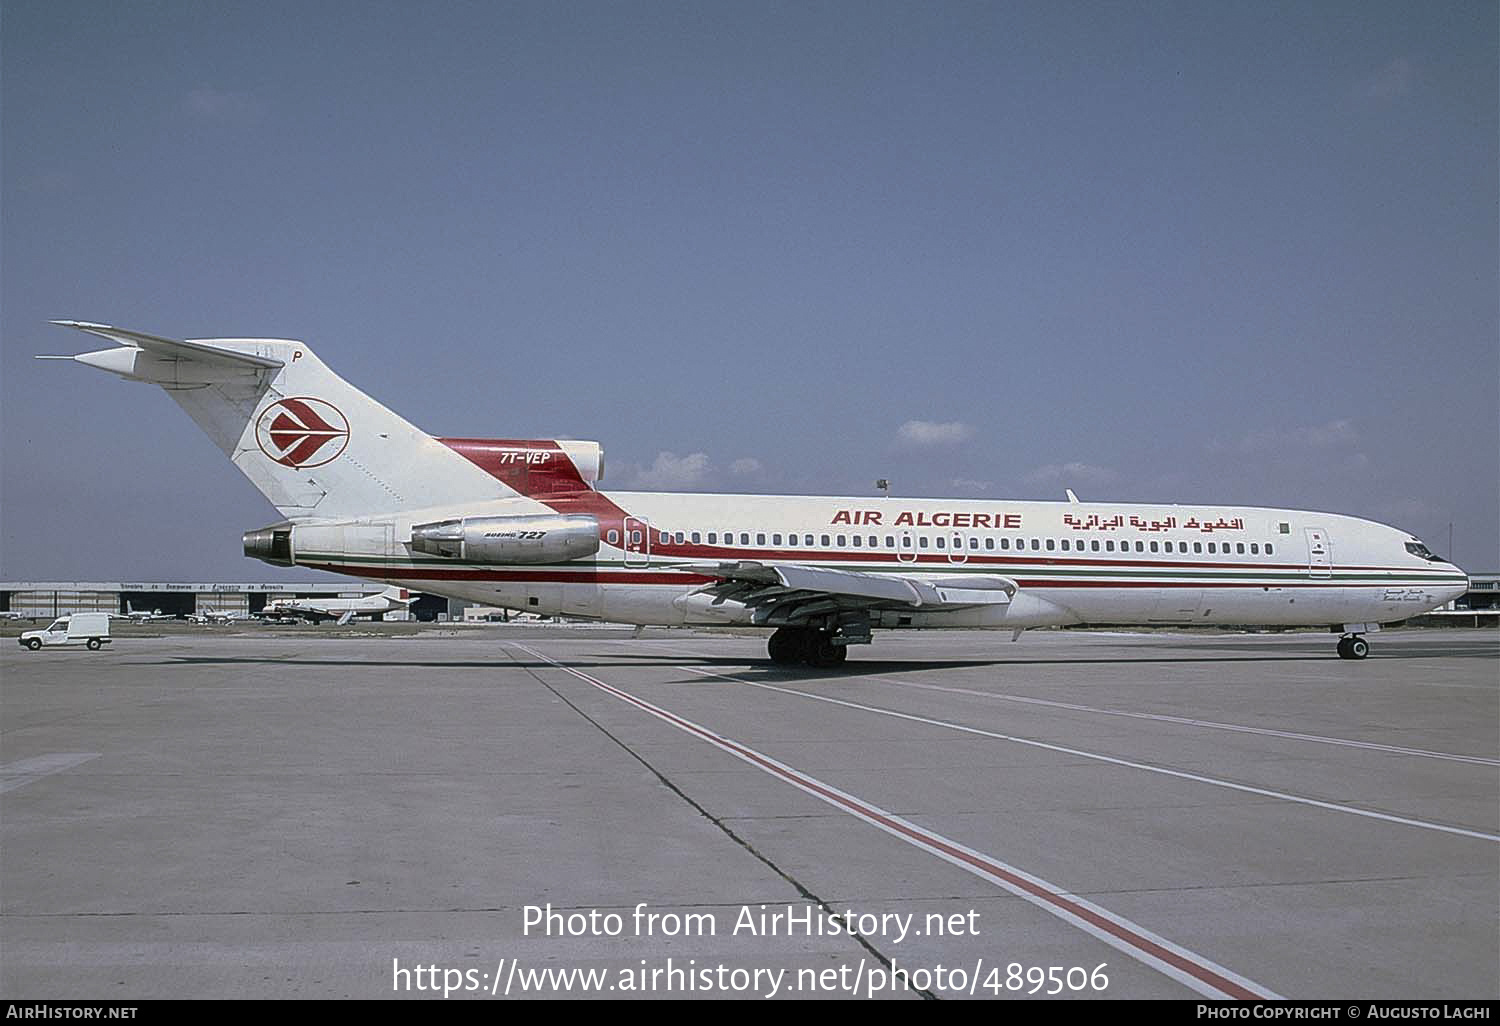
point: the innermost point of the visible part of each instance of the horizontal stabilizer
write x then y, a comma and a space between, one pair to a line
170, 349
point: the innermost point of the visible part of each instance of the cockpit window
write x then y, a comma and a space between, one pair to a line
1421, 551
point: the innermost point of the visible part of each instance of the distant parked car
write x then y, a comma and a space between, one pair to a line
91, 629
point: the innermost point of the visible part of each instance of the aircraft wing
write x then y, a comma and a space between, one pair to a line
794, 591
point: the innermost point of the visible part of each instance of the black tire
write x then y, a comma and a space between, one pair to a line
34, 644
1358, 648
787, 645
823, 653
1344, 649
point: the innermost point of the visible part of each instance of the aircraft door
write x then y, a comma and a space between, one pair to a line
906, 551
957, 554
1319, 553
637, 542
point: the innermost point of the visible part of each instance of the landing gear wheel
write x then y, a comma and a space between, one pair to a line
823, 653
787, 646
1353, 648
93, 644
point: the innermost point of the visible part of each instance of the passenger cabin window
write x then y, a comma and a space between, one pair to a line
775, 539
1036, 543
1140, 547
1254, 549
1240, 548
713, 537
744, 537
1050, 544
697, 537
1153, 546
890, 541
842, 541
1094, 544
1066, 545
874, 541
760, 539
613, 537
858, 542
1268, 548
941, 541
791, 539
807, 539
681, 538
989, 543
1109, 545
826, 541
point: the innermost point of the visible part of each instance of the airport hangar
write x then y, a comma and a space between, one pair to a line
1479, 606
46, 599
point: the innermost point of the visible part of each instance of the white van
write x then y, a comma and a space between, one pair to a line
91, 629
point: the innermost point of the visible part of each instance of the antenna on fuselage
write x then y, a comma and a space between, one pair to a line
884, 485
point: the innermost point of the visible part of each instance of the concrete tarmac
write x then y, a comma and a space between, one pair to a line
248, 813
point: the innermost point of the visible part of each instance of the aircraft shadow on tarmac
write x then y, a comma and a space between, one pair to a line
854, 666
1222, 652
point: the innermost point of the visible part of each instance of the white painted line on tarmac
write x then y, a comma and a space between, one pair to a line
27, 771
1098, 757
1186, 967
1424, 753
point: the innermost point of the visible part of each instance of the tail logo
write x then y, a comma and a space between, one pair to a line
302, 432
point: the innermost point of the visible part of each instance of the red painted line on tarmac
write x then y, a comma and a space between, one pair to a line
1206, 977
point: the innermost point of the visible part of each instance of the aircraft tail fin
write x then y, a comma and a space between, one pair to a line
312, 443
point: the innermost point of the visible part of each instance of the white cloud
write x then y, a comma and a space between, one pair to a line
1398, 78
210, 104
928, 432
1071, 473
746, 465
1334, 434
672, 471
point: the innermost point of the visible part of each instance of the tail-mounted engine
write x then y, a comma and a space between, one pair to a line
545, 538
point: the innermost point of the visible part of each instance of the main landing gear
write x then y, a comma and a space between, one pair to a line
806, 645
1352, 646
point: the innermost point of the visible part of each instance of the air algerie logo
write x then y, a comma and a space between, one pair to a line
302, 432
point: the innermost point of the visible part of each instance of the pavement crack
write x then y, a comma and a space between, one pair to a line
717, 822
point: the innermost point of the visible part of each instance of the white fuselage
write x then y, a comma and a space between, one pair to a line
1072, 562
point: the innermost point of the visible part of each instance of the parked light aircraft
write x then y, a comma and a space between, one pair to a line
142, 616
522, 524
341, 609
218, 616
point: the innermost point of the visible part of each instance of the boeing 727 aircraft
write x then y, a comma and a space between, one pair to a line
523, 524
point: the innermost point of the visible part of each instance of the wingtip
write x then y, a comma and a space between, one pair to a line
84, 325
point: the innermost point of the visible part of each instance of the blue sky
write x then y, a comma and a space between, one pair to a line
1197, 252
